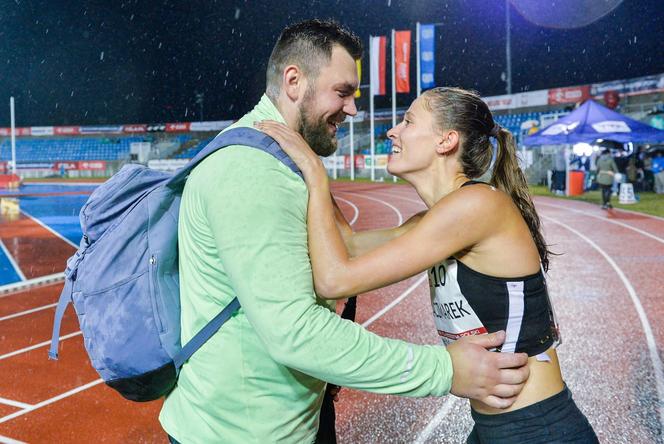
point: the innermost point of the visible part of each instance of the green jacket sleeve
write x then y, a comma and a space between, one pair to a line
257, 214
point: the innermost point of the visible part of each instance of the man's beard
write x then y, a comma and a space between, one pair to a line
316, 132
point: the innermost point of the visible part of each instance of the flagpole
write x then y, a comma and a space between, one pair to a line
13, 138
371, 110
335, 174
394, 86
419, 69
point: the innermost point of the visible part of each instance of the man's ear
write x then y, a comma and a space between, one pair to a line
447, 142
294, 83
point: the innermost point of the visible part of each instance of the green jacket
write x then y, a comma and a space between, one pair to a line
242, 232
606, 169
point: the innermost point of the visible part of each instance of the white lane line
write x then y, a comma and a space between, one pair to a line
436, 420
403, 198
41, 344
11, 402
604, 219
647, 330
50, 229
395, 209
621, 210
27, 312
50, 401
353, 206
11, 260
6, 440
9, 289
391, 305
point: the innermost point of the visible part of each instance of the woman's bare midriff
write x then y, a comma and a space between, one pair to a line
544, 381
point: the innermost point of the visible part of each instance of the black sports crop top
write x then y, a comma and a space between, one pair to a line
466, 302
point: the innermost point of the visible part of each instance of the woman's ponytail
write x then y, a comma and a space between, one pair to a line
508, 177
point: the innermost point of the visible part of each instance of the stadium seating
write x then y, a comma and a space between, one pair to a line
50, 150
513, 122
81, 148
189, 153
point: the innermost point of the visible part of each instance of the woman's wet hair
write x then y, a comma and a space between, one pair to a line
465, 112
309, 45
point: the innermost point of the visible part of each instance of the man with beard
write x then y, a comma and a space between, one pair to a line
242, 232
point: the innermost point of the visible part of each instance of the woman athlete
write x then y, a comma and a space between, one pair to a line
480, 243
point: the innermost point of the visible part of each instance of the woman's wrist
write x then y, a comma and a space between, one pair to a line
318, 180
315, 174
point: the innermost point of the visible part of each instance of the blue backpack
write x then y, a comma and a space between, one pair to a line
124, 281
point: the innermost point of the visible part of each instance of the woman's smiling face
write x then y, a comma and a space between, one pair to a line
413, 141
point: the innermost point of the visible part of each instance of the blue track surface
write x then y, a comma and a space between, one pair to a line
60, 213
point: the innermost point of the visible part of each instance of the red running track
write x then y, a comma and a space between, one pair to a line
604, 286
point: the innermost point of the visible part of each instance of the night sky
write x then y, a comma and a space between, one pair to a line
71, 62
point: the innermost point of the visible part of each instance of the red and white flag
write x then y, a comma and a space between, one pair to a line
378, 65
402, 60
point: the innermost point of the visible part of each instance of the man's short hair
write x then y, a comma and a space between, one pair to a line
308, 45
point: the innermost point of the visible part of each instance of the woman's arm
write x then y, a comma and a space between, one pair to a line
456, 222
446, 229
361, 242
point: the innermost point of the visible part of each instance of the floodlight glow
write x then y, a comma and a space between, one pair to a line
582, 149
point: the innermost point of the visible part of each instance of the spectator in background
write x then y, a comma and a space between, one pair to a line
658, 171
649, 176
606, 171
559, 171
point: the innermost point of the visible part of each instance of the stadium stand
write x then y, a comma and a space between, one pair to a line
43, 150
190, 152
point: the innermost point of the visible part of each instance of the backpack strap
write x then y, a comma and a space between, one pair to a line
65, 299
205, 333
66, 295
235, 136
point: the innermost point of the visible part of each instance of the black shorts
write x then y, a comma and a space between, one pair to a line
553, 420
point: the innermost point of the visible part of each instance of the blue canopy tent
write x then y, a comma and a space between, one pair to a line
592, 121
588, 123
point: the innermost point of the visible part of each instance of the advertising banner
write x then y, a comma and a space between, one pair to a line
67, 130
100, 129
500, 102
92, 165
210, 126
135, 128
639, 85
34, 166
177, 127
41, 131
65, 165
573, 94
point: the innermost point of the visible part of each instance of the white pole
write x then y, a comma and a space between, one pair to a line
508, 48
352, 150
394, 85
373, 142
334, 168
419, 68
13, 123
371, 112
567, 170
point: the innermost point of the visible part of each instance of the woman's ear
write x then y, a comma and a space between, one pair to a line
447, 142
